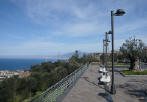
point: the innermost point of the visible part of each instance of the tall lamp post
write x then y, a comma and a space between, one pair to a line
104, 51
119, 12
107, 42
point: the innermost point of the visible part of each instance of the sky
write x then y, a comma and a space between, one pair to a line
53, 27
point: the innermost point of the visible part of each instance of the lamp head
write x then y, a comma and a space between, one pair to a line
109, 32
119, 12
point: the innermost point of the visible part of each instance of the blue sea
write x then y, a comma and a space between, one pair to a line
20, 64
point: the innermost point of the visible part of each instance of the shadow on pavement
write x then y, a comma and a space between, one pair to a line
140, 94
106, 94
107, 97
136, 88
87, 79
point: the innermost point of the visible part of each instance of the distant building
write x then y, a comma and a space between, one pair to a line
8, 74
145, 48
95, 55
24, 74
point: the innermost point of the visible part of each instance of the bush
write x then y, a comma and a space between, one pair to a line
42, 77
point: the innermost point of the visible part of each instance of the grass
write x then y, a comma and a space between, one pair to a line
95, 63
127, 72
118, 64
30, 98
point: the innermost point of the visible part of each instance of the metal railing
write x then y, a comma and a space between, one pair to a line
55, 91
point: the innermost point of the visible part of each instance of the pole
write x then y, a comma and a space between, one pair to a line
106, 46
103, 53
113, 91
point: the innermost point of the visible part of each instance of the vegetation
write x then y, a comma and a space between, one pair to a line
128, 72
42, 77
131, 53
144, 59
132, 50
119, 59
118, 64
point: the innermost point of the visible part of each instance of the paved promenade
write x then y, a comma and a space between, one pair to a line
129, 89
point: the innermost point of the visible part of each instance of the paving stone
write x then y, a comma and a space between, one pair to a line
128, 89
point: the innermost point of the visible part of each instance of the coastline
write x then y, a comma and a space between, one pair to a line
20, 64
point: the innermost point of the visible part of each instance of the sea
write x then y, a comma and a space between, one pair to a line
21, 64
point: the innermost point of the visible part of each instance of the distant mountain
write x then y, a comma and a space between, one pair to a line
68, 55
64, 56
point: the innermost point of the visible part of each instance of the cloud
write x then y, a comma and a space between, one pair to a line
46, 48
132, 25
73, 17
78, 18
81, 29
49, 11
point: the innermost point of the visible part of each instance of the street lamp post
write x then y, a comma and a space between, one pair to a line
107, 41
119, 12
103, 52
113, 91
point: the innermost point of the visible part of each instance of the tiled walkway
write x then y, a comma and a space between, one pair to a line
87, 89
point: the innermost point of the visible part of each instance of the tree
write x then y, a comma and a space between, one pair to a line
145, 55
74, 60
42, 76
118, 57
132, 49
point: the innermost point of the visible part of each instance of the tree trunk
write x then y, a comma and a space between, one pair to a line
135, 65
132, 64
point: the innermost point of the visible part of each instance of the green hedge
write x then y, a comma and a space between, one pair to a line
126, 72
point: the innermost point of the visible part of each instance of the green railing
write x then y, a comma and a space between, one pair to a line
55, 91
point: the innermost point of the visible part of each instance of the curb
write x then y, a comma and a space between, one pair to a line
132, 75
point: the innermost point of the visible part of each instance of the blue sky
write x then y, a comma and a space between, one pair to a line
51, 27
